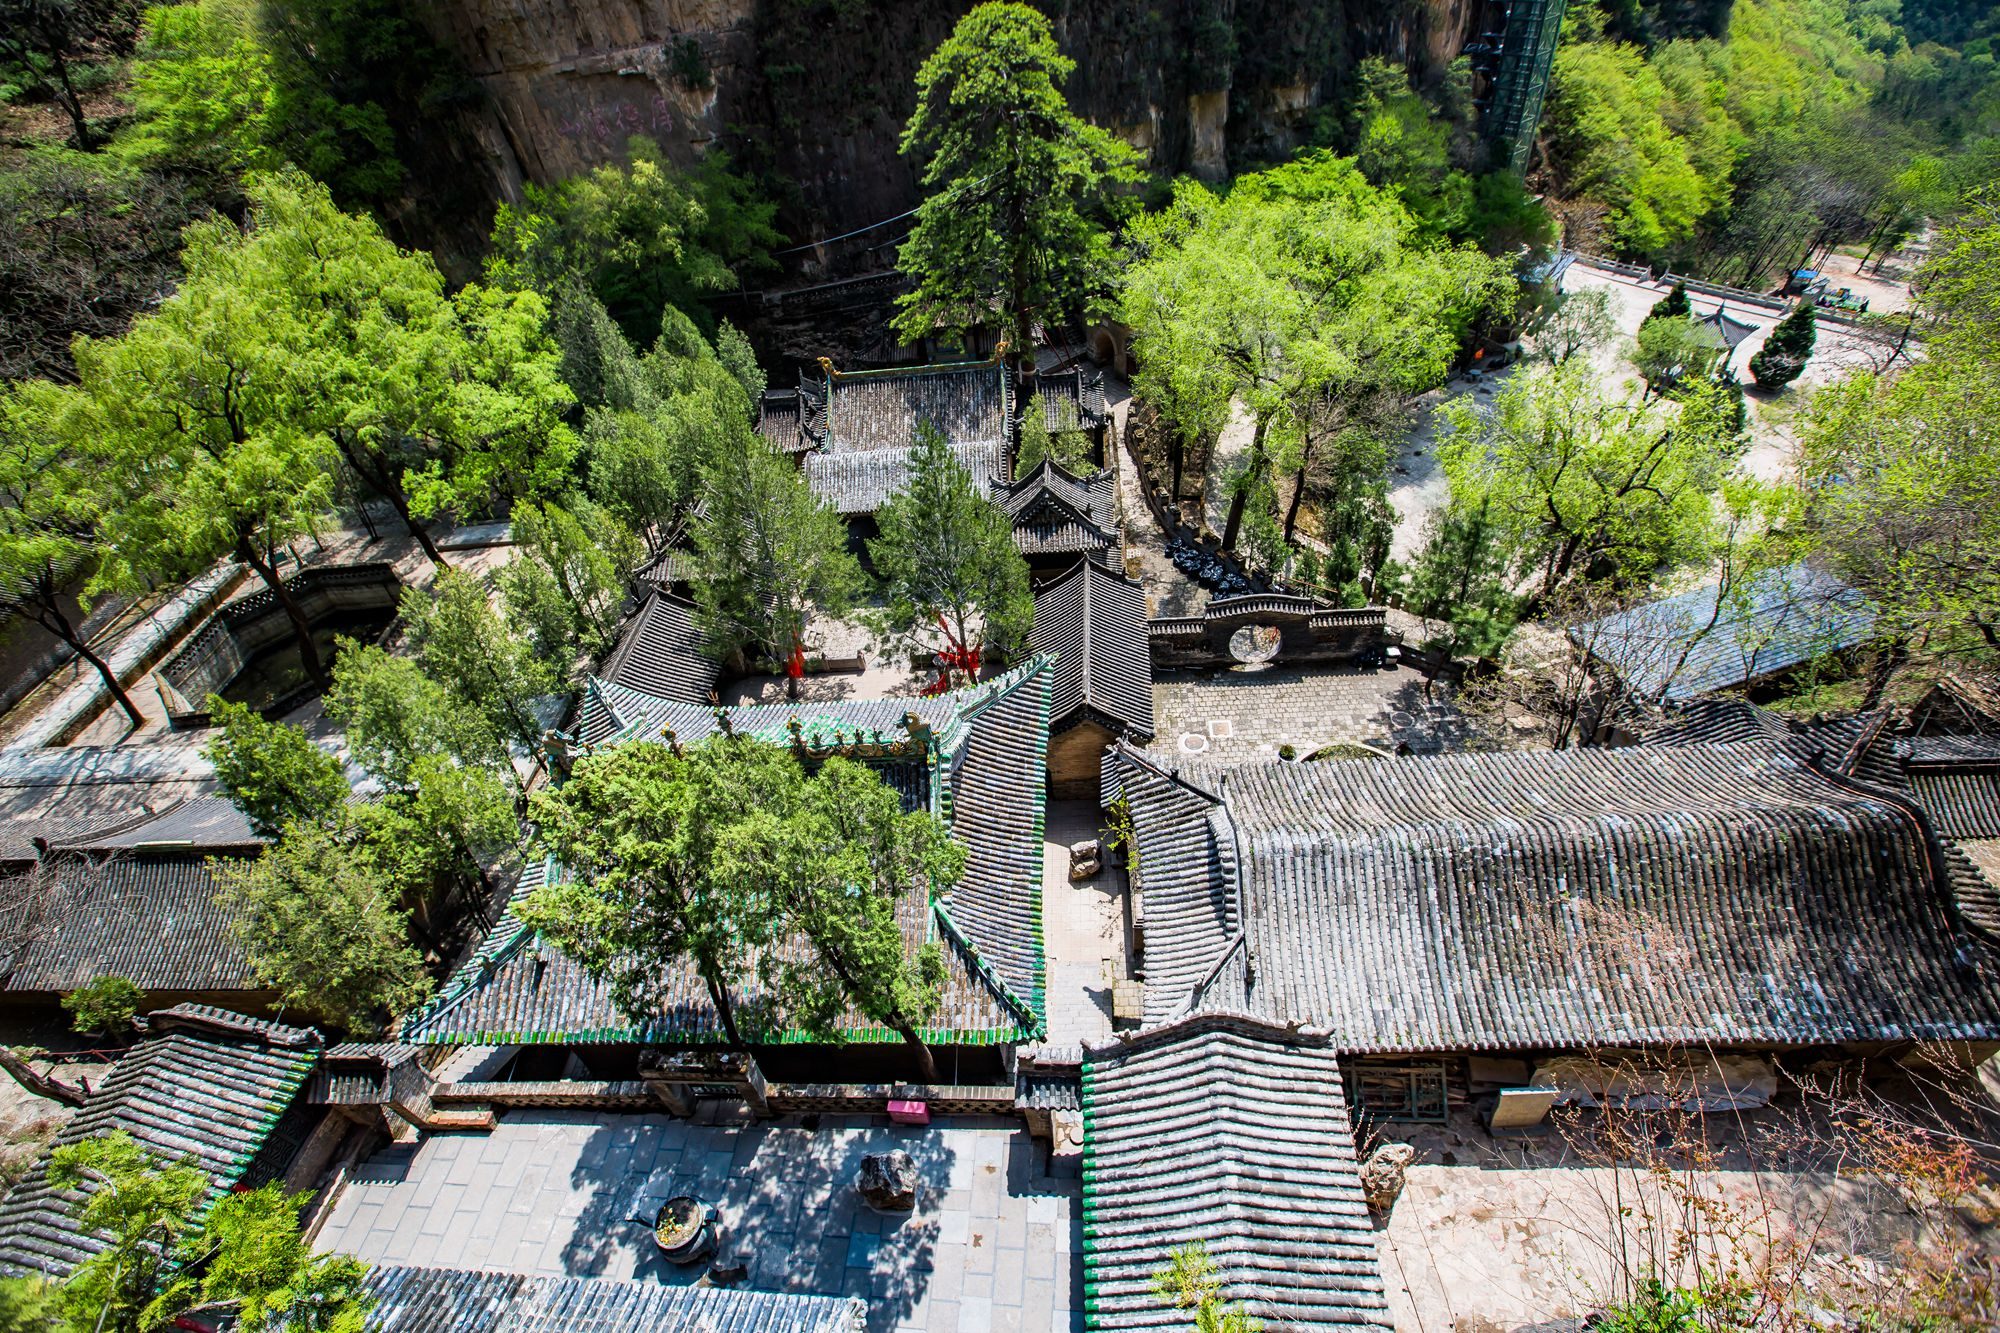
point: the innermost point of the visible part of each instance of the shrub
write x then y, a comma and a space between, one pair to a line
106, 1005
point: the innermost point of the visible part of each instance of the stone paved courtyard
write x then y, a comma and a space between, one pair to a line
1248, 715
992, 1246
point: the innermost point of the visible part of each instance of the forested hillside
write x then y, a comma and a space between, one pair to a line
1737, 144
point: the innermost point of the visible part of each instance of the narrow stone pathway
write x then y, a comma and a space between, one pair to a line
1083, 930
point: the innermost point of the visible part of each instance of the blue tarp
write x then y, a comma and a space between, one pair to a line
1777, 621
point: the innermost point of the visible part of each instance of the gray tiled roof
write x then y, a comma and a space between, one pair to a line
997, 789
1094, 623
1186, 857
1055, 513
860, 482
1957, 781
989, 740
1724, 329
150, 917
70, 816
1723, 893
210, 823
1080, 387
662, 653
452, 1300
1782, 619
861, 426
631, 714
871, 410
1224, 1131
206, 1084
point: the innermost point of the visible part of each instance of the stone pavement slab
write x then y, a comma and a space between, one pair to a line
1230, 715
572, 1193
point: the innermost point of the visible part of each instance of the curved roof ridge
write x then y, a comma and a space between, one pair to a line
1130, 753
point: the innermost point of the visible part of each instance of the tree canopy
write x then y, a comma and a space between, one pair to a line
1902, 469
1302, 284
947, 560
767, 552
1016, 184
726, 858
171, 1251
643, 237
1572, 477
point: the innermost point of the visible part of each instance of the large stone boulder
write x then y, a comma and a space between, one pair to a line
888, 1181
1382, 1175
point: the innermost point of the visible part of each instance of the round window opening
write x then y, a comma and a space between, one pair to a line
1255, 645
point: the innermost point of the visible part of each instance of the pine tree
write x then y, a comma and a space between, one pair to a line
948, 560
1014, 178
1673, 305
768, 554
1783, 357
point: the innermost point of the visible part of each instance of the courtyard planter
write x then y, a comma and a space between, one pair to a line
685, 1230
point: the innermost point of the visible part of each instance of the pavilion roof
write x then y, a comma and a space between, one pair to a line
1093, 623
205, 1085
1229, 1132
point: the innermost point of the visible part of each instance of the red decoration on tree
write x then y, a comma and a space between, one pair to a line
956, 656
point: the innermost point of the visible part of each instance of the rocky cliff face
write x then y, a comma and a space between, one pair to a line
815, 91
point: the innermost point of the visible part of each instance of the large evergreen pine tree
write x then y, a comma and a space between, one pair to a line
1013, 177
1673, 305
948, 560
1783, 356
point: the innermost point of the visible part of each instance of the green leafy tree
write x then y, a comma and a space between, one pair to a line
1460, 576
27, 1305
643, 237
428, 844
1782, 358
319, 920
396, 714
1066, 445
433, 401
1904, 476
201, 94
1580, 323
705, 857
46, 517
947, 559
170, 1251
845, 854
768, 554
1303, 288
1670, 352
1572, 477
666, 865
218, 425
1015, 182
739, 358
652, 421
1674, 305
569, 579
144, 1209
457, 637
191, 440
272, 771
104, 1005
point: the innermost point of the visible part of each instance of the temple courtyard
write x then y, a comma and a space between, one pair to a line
993, 1242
